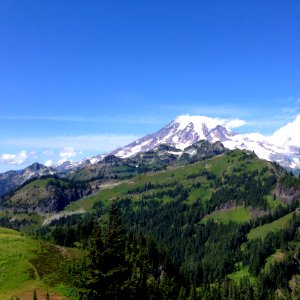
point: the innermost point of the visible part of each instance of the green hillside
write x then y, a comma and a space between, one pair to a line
27, 264
201, 179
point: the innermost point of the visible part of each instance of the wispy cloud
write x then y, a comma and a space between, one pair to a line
289, 110
98, 143
235, 123
48, 152
47, 118
79, 119
258, 123
288, 100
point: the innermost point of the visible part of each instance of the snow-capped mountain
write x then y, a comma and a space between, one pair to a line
180, 133
283, 146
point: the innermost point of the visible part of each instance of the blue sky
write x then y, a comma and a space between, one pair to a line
80, 78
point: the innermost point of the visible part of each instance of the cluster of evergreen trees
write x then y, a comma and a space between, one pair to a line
153, 260
117, 266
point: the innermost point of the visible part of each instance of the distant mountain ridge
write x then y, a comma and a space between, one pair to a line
11, 179
52, 193
282, 147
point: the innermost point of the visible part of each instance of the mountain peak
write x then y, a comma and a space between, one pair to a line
197, 121
182, 132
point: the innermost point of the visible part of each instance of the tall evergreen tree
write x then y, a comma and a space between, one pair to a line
114, 270
105, 268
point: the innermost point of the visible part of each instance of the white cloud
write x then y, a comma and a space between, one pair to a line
14, 159
48, 163
235, 123
287, 135
67, 153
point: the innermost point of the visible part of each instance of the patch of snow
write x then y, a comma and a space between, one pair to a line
175, 153
191, 152
94, 160
175, 139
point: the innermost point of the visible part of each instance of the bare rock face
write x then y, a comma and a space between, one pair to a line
288, 194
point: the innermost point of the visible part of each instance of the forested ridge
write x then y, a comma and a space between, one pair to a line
181, 233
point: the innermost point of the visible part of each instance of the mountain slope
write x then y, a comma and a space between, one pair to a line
12, 179
160, 157
232, 177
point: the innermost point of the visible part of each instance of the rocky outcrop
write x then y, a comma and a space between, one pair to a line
288, 194
45, 199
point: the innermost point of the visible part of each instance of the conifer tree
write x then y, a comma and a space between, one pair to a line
114, 241
106, 270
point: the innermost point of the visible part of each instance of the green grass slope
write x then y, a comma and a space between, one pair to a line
27, 264
239, 214
262, 231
